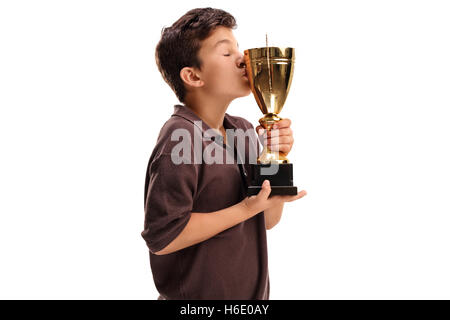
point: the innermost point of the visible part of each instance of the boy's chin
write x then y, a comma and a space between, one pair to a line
247, 92
241, 94
244, 94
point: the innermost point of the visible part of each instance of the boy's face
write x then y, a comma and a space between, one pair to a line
223, 68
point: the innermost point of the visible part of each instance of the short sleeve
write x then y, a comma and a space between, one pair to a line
169, 201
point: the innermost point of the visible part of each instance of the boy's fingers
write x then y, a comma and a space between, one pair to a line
283, 123
260, 130
279, 140
299, 195
280, 132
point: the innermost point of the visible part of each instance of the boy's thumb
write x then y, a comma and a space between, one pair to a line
265, 190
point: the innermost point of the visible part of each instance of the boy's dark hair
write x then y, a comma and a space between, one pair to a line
181, 42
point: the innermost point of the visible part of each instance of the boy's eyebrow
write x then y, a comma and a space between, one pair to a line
224, 41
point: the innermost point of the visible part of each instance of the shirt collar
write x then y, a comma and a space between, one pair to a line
229, 122
188, 114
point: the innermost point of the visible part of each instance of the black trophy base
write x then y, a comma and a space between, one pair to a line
281, 179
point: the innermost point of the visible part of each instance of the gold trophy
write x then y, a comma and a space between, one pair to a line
270, 71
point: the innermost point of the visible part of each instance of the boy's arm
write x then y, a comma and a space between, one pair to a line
273, 215
202, 226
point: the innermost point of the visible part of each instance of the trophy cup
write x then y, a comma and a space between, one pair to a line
270, 71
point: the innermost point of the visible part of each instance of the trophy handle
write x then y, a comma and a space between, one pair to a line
267, 155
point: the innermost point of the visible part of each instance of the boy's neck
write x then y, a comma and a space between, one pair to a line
209, 111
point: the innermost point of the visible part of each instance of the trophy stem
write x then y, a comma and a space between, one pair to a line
267, 155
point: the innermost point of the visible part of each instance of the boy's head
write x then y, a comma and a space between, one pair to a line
199, 52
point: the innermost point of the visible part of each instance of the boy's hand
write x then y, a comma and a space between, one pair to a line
261, 201
280, 137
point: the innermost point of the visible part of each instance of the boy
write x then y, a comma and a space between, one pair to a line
207, 239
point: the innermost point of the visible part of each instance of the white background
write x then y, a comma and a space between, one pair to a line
82, 104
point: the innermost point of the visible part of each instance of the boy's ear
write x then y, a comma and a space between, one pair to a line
190, 77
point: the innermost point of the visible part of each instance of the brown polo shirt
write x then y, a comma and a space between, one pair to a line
232, 264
